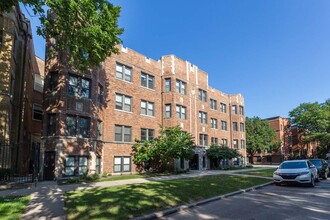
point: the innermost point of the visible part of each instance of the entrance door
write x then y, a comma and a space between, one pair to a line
194, 162
49, 165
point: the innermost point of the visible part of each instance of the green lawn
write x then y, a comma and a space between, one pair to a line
265, 173
129, 201
12, 207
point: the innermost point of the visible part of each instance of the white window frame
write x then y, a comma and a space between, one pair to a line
37, 108
122, 133
148, 107
126, 72
38, 83
168, 110
148, 77
214, 123
122, 161
123, 102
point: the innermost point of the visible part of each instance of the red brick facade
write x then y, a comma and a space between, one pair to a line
131, 104
292, 145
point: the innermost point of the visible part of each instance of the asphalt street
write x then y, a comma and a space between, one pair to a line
270, 203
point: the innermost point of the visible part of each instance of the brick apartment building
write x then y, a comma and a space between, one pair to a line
292, 145
91, 120
21, 95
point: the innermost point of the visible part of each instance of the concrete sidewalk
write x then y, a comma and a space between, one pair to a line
47, 198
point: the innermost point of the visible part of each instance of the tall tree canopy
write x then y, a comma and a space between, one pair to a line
313, 121
87, 29
259, 136
172, 143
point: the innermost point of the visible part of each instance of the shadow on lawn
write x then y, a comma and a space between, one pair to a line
135, 200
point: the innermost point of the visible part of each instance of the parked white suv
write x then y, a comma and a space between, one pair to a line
296, 171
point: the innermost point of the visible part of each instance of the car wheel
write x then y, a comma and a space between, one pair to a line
312, 183
318, 178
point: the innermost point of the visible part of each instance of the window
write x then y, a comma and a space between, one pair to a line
123, 102
51, 127
223, 108
235, 128
122, 164
123, 133
241, 110
101, 94
70, 166
37, 112
214, 123
147, 134
79, 87
214, 140
181, 112
242, 144
147, 81
98, 165
233, 109
213, 104
168, 111
235, 144
202, 95
38, 83
124, 72
225, 142
147, 108
53, 80
224, 125
99, 130
203, 138
75, 165
167, 84
202, 117
241, 126
77, 126
181, 87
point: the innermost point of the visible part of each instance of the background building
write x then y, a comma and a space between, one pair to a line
92, 119
292, 144
21, 94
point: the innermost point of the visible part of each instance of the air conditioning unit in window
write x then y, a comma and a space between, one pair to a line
79, 106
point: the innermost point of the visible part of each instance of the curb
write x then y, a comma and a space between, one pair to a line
202, 202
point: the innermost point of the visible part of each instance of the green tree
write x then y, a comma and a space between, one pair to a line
313, 122
218, 153
159, 154
259, 136
86, 29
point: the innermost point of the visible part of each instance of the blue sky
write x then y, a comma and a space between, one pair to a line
275, 53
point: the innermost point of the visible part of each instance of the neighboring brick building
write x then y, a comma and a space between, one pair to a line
292, 145
21, 95
92, 119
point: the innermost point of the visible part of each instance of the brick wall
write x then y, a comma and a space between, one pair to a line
167, 67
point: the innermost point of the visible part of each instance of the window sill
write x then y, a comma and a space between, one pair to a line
150, 116
123, 111
130, 82
120, 142
154, 89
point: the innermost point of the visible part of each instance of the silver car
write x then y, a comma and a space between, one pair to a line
296, 171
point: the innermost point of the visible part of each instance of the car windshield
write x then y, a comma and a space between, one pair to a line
294, 165
316, 162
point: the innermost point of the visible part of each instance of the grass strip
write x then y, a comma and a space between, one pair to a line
12, 207
264, 173
128, 201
